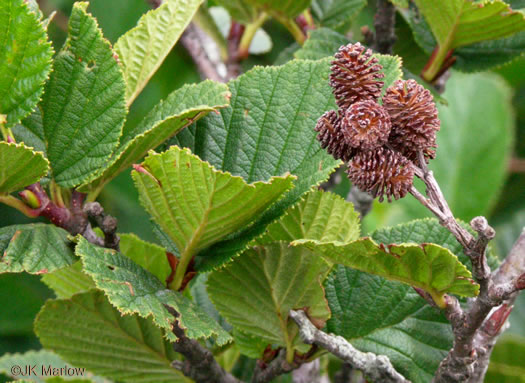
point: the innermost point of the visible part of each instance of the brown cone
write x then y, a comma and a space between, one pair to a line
331, 136
355, 75
381, 172
366, 125
414, 118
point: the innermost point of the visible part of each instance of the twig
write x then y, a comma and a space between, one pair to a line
474, 330
106, 223
278, 366
376, 367
384, 23
200, 365
307, 372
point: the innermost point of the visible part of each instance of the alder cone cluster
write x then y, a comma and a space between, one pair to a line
381, 144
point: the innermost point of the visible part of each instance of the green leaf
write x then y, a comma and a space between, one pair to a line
180, 109
457, 23
68, 281
197, 205
288, 9
35, 249
240, 10
319, 215
20, 166
506, 361
337, 14
267, 131
321, 43
88, 332
378, 315
31, 131
25, 59
400, 3
427, 266
147, 255
258, 289
475, 138
83, 106
133, 289
142, 49
42, 360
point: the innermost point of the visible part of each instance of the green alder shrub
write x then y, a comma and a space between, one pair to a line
261, 270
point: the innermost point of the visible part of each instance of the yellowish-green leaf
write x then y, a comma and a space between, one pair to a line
258, 289
457, 23
87, 331
69, 281
181, 108
133, 289
20, 166
427, 266
197, 205
319, 215
25, 59
142, 49
147, 255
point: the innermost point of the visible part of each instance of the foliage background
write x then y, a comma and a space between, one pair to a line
22, 295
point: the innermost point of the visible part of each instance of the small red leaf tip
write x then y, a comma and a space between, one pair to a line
142, 169
493, 325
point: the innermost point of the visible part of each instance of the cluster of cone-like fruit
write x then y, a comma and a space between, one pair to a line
379, 143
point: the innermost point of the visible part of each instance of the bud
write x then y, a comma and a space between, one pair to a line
30, 198
492, 326
355, 75
331, 136
414, 119
381, 172
366, 125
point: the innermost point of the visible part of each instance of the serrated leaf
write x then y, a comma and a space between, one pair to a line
133, 289
142, 49
378, 315
20, 166
25, 59
337, 14
268, 130
35, 249
457, 23
40, 361
69, 281
197, 205
506, 361
319, 215
180, 109
88, 332
147, 255
257, 290
427, 266
31, 131
83, 106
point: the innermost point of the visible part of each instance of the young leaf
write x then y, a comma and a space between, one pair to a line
257, 290
68, 281
427, 266
142, 49
83, 106
197, 205
457, 23
20, 166
267, 131
35, 249
87, 331
337, 14
133, 289
319, 215
25, 59
42, 359
377, 315
180, 109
